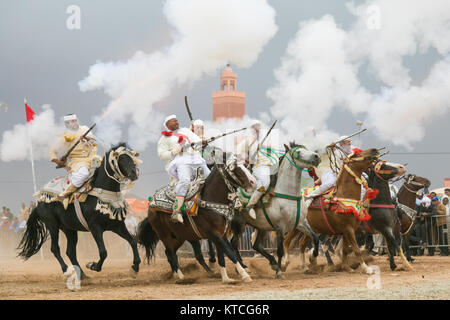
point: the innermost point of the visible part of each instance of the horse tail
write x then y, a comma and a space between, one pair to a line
147, 238
34, 236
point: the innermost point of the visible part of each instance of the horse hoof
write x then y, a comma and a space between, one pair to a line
229, 281
274, 267
280, 275
133, 273
247, 279
135, 268
93, 266
247, 270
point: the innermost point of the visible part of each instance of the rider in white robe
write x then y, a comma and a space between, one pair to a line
327, 176
247, 150
183, 160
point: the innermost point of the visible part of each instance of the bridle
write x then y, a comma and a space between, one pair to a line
113, 160
410, 181
378, 172
231, 181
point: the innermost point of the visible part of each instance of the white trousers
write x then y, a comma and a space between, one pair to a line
187, 172
329, 180
78, 178
262, 175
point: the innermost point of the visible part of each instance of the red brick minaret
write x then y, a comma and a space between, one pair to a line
228, 102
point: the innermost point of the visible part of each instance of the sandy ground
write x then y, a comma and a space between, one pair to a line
43, 279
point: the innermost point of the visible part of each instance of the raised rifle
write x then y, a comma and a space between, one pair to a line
188, 109
252, 159
66, 155
209, 140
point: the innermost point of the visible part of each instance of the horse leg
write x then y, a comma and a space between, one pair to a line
288, 244
211, 252
257, 246
199, 256
234, 244
71, 251
304, 241
54, 236
351, 238
123, 232
97, 233
280, 252
344, 250
392, 246
224, 247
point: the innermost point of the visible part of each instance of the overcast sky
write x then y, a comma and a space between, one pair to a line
43, 60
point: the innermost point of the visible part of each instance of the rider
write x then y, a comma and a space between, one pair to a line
327, 176
247, 149
184, 160
79, 161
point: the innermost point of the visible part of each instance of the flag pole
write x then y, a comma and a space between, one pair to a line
31, 154
32, 165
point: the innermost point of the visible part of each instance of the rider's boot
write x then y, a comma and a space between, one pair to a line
310, 197
64, 196
176, 214
253, 201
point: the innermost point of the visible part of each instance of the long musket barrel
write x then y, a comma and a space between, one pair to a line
65, 156
217, 137
350, 136
262, 142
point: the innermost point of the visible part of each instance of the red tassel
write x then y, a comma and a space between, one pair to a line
372, 194
356, 151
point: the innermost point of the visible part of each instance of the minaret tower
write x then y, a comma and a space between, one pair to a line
228, 102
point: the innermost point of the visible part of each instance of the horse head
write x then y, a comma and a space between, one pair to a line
124, 162
302, 157
236, 170
416, 182
361, 159
387, 170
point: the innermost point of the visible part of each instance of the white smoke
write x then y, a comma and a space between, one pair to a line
207, 34
42, 131
321, 71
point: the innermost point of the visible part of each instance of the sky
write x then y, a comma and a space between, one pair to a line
284, 55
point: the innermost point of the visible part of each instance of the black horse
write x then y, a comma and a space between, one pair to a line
49, 218
219, 190
384, 217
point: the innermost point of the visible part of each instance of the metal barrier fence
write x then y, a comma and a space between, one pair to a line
432, 233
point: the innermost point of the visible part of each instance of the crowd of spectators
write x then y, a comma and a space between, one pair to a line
11, 225
428, 233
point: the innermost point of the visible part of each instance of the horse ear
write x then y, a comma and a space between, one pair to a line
286, 148
115, 153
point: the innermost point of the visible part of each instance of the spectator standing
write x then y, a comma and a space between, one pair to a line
441, 223
24, 212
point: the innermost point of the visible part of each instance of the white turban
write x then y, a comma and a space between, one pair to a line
70, 117
172, 116
426, 201
198, 123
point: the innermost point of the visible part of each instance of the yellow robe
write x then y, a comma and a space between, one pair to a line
82, 155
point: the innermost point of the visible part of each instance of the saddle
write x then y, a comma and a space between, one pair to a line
164, 197
50, 191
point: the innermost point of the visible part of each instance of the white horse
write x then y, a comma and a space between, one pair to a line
282, 214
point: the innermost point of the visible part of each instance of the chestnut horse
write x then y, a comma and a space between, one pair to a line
324, 219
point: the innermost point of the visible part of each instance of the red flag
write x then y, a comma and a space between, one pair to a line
29, 112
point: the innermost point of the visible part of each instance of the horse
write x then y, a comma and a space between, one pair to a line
328, 220
383, 212
406, 207
282, 214
118, 165
216, 208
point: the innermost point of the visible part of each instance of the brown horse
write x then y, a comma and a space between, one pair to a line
216, 208
323, 219
406, 206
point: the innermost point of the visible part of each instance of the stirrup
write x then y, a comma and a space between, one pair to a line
176, 217
252, 213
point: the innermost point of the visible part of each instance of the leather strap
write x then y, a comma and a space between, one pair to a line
325, 217
80, 213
